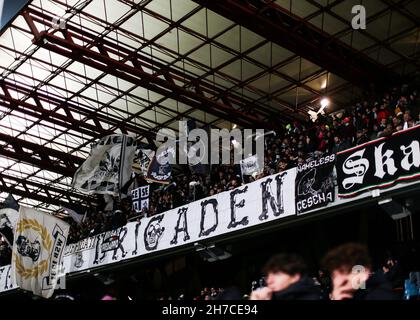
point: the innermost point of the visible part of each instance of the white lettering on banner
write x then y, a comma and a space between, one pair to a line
357, 166
314, 200
413, 151
316, 163
85, 244
382, 160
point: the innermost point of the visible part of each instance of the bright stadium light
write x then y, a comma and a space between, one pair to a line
325, 102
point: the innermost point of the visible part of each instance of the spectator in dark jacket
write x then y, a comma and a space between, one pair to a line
393, 273
361, 137
340, 145
350, 268
287, 280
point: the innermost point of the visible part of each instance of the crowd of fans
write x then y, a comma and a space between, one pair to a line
293, 144
349, 274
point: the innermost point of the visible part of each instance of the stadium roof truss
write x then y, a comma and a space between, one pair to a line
72, 71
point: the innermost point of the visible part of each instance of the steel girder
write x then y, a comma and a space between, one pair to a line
131, 66
67, 121
31, 190
36, 110
40, 156
297, 35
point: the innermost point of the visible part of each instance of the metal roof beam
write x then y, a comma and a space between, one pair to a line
32, 189
40, 156
77, 108
36, 110
124, 68
297, 35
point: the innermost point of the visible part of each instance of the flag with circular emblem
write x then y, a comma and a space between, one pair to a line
38, 248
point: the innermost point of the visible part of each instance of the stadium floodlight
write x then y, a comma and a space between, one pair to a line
325, 102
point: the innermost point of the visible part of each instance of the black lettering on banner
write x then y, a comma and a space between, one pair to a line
276, 204
182, 212
153, 233
121, 235
213, 202
98, 250
8, 284
233, 206
136, 236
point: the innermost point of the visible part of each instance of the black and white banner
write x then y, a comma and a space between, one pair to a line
262, 201
250, 166
140, 198
108, 167
315, 184
160, 169
380, 163
266, 200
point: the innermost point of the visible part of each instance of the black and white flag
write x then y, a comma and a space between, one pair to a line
315, 184
160, 169
108, 167
8, 218
250, 165
140, 198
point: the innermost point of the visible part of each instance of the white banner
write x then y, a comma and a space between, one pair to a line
230, 211
108, 167
260, 202
38, 248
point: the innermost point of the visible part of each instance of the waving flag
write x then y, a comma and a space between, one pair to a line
108, 167
38, 248
250, 166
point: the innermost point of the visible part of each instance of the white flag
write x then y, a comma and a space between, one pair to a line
78, 217
108, 167
38, 249
250, 165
